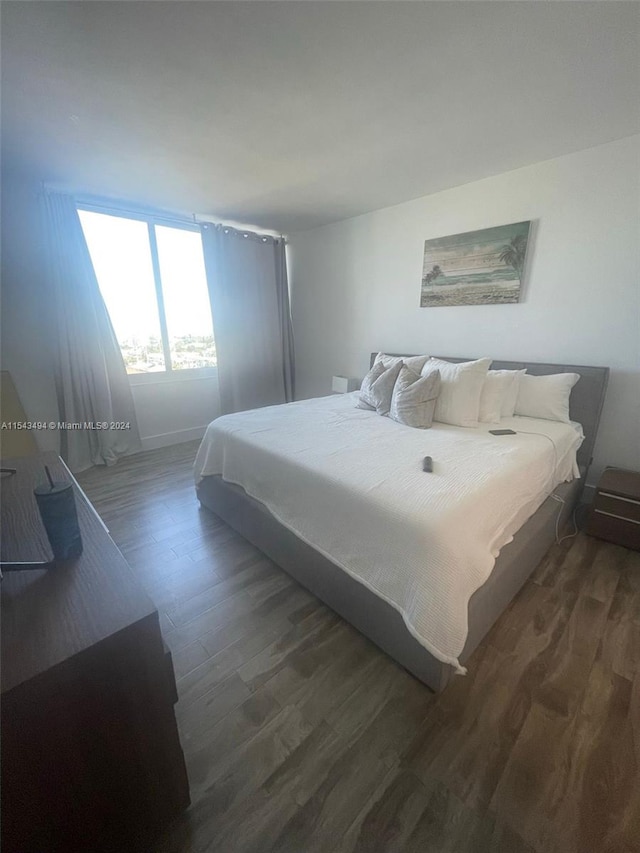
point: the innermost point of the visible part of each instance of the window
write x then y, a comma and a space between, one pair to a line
152, 279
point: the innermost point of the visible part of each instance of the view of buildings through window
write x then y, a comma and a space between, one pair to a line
162, 319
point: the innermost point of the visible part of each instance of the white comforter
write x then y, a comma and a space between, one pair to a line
351, 484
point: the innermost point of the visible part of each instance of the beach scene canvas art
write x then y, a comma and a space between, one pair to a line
477, 268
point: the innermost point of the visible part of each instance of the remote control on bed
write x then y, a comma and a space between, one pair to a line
427, 464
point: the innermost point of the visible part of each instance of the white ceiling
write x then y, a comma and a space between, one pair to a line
289, 115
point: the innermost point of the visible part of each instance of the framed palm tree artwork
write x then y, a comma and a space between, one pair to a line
483, 267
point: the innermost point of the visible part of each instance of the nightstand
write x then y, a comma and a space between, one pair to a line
344, 384
615, 512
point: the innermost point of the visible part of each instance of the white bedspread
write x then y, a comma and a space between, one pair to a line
350, 483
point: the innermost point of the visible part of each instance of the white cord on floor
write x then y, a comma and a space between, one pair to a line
573, 518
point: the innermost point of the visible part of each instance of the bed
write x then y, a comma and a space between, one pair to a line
421, 564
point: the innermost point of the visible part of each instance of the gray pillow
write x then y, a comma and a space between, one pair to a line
377, 388
414, 398
367, 383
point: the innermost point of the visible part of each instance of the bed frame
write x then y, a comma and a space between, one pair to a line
376, 619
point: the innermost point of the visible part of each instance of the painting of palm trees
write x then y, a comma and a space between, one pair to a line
477, 268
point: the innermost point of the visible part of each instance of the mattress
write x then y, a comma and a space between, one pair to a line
350, 483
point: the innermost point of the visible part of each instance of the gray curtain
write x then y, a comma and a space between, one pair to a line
249, 293
91, 380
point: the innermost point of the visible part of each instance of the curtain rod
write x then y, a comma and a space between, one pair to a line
167, 216
134, 210
192, 219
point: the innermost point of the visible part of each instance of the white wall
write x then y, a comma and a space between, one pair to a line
167, 412
172, 412
356, 284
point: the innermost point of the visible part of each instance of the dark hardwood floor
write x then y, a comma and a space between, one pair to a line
301, 736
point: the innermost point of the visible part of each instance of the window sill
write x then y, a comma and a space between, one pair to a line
163, 377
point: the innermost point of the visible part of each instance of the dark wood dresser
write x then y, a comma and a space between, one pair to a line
91, 758
615, 512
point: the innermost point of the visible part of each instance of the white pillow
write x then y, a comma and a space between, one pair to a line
511, 380
493, 391
414, 362
546, 396
460, 389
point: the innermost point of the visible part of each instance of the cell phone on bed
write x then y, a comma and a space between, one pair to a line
502, 432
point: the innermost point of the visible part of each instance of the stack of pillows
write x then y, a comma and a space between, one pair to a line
418, 390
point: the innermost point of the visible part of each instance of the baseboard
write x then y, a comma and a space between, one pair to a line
165, 439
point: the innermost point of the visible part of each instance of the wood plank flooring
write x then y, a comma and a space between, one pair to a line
300, 736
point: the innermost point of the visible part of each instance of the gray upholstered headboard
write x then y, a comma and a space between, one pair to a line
587, 395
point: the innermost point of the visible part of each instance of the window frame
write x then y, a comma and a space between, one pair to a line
151, 220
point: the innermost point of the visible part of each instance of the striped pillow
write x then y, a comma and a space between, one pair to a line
377, 388
414, 398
